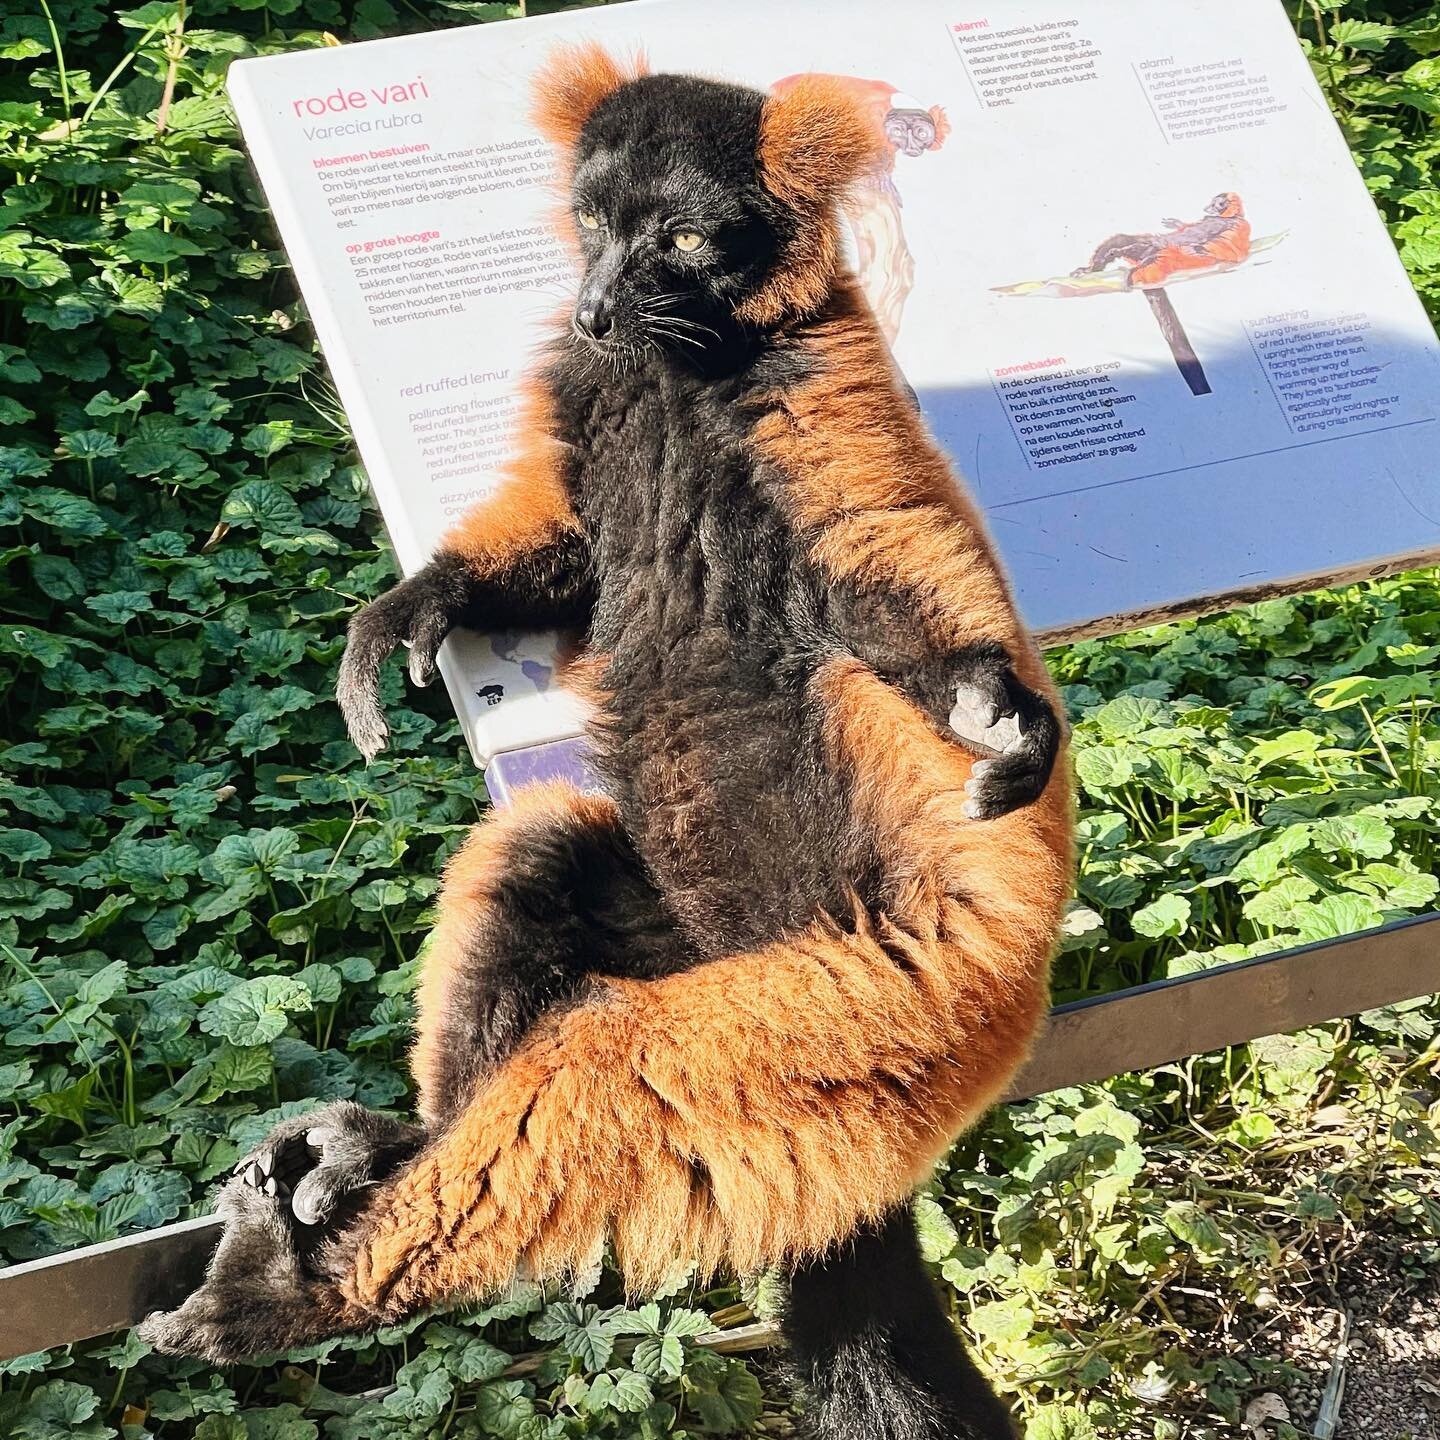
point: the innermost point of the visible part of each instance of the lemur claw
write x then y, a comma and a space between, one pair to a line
316, 1160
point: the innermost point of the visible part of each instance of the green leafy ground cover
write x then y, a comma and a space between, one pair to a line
211, 912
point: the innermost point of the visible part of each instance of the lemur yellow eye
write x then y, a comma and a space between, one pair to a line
687, 240
589, 219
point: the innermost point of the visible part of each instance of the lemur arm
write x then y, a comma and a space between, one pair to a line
516, 560
916, 591
970, 693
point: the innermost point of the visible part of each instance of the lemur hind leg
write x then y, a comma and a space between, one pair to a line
1135, 248
539, 899
874, 1352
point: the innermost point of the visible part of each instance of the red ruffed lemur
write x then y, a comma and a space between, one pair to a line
730, 1008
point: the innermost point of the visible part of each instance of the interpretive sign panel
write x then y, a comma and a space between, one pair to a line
1120, 250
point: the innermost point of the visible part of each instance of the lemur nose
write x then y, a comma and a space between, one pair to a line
592, 317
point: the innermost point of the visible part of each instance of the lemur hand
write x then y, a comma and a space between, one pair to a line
418, 612
1017, 728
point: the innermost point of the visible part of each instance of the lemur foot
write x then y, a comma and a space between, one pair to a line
259, 1295
419, 613
1017, 729
268, 1287
315, 1161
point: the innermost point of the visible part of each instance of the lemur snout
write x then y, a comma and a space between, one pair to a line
593, 317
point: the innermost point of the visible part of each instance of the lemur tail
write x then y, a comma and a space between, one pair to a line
874, 1353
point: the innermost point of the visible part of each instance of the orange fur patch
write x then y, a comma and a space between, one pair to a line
878, 495
572, 82
530, 507
816, 138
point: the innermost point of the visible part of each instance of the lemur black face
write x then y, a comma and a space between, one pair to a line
674, 228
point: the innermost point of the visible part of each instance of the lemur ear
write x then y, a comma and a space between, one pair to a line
815, 139
572, 82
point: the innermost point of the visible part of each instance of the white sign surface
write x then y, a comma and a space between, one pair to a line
1239, 388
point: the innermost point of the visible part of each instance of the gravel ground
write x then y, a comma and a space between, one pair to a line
1392, 1374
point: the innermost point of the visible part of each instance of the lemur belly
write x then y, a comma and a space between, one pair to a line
708, 617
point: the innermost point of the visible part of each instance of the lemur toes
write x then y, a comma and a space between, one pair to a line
427, 633
278, 1165
316, 1160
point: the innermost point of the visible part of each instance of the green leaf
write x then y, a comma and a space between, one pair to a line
1128, 715
1061, 1422
89, 444
72, 514
423, 1389
255, 1011
1166, 915
631, 1392
660, 1356
237, 1070
1292, 745
1398, 888
1365, 35
61, 1410
1354, 835
502, 1409
471, 1359
580, 1330
1188, 1222
222, 1427
160, 1193
72, 1102
1004, 1321
1103, 767
270, 438
1340, 694
19, 846
263, 504
1279, 906
725, 1395
283, 1422
938, 1236
155, 247
119, 607
1336, 915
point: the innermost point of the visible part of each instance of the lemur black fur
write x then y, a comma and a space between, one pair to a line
732, 1008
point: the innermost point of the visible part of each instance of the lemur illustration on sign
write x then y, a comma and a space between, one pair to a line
884, 266
730, 1009
1151, 262
1220, 237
